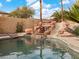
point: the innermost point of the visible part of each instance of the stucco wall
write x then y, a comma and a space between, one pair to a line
8, 24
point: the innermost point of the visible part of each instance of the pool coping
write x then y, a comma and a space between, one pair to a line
9, 36
71, 46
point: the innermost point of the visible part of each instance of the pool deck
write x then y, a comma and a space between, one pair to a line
72, 42
7, 36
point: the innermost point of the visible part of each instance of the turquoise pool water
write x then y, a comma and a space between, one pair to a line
22, 49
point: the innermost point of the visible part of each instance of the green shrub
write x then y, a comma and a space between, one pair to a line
77, 31
19, 28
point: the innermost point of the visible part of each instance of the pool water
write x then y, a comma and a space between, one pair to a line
21, 49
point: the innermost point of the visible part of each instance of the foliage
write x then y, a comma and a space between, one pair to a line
22, 12
76, 31
71, 14
74, 13
19, 27
58, 15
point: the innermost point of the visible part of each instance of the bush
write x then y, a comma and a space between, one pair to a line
19, 28
77, 30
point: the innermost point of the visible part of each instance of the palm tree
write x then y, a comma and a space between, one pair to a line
41, 10
62, 10
60, 14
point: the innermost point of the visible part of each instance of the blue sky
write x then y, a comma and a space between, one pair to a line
49, 6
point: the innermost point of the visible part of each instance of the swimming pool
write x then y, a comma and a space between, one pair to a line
21, 48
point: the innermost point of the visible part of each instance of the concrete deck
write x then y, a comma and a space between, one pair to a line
72, 42
7, 36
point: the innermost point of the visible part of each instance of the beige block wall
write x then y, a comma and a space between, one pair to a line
8, 24
1, 21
